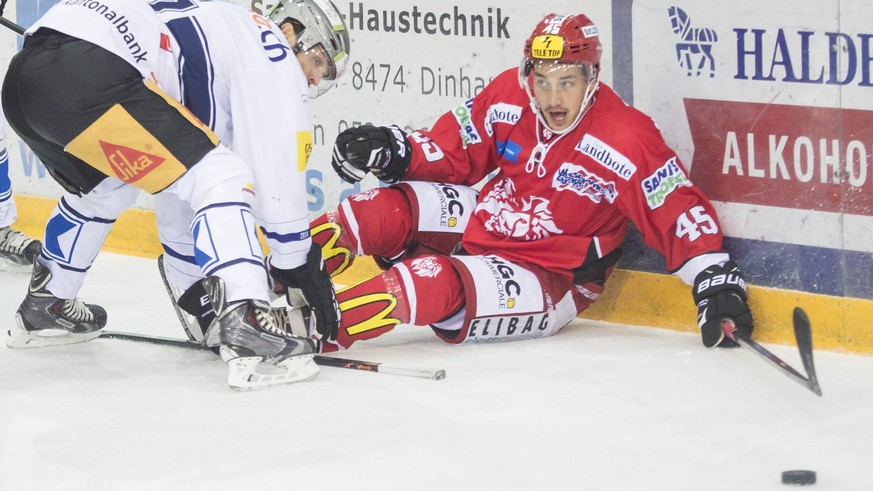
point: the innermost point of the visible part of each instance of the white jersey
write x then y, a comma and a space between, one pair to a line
234, 70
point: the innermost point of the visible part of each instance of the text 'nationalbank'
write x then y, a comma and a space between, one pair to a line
491, 24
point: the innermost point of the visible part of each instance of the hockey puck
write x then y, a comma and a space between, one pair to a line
798, 478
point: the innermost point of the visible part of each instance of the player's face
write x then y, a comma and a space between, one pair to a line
315, 65
559, 90
314, 62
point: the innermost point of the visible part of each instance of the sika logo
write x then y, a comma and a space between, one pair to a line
128, 164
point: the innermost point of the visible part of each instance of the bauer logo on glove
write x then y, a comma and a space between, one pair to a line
720, 293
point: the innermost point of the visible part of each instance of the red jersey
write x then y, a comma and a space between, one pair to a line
572, 204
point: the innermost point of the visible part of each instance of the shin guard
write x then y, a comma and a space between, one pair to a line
369, 309
418, 291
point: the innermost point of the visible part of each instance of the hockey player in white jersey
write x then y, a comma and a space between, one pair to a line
17, 250
118, 96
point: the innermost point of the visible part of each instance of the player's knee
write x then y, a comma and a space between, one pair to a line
378, 220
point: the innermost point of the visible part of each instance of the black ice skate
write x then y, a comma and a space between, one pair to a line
45, 320
17, 250
258, 353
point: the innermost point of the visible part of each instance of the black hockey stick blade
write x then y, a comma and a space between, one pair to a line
748, 343
321, 360
11, 25
803, 336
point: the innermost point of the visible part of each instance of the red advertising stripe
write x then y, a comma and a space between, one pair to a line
801, 157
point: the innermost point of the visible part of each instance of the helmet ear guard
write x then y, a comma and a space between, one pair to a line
318, 25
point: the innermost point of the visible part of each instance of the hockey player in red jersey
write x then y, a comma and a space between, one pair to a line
570, 163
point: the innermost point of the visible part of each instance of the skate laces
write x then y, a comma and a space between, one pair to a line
267, 321
76, 310
295, 324
280, 317
14, 241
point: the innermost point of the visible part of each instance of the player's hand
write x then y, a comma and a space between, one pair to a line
382, 150
720, 293
313, 282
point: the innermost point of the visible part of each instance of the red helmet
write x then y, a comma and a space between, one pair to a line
560, 40
564, 39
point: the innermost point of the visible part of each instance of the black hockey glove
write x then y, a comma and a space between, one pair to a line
720, 293
314, 283
382, 150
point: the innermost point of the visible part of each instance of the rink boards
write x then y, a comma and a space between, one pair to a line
631, 297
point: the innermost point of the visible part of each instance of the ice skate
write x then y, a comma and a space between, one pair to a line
45, 320
17, 250
258, 353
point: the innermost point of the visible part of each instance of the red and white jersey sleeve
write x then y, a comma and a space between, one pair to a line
611, 169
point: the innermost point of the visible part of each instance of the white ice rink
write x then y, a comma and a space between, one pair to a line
597, 407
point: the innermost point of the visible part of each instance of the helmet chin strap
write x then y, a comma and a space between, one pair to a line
538, 155
589, 96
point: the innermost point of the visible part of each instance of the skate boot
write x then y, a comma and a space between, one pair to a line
17, 250
45, 320
258, 353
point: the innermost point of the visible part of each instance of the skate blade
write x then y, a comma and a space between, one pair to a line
21, 338
252, 373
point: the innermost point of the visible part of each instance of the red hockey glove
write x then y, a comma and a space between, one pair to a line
314, 283
720, 293
382, 150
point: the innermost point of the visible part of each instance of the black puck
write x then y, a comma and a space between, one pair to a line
798, 478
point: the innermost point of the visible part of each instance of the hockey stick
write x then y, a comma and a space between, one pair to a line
11, 25
803, 336
322, 360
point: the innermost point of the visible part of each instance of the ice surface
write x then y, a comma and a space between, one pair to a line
598, 407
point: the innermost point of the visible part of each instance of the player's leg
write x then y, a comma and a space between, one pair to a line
17, 250
417, 291
376, 222
465, 299
391, 224
181, 275
51, 313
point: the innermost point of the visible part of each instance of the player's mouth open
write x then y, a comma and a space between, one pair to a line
558, 116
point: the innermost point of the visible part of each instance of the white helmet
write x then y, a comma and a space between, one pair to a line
317, 23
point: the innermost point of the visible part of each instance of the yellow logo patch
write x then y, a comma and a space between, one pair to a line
118, 146
547, 47
304, 149
381, 318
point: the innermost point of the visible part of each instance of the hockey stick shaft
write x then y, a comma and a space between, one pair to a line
11, 25
367, 366
320, 360
746, 342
